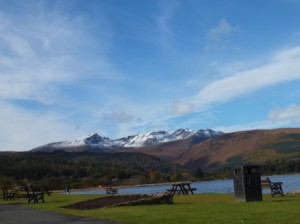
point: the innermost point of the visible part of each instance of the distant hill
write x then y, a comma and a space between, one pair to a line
255, 146
231, 149
205, 149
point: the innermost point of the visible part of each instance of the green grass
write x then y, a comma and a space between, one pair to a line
201, 208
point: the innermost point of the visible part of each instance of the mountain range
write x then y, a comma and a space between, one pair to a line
206, 149
96, 141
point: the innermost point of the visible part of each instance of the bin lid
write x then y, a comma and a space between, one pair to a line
248, 169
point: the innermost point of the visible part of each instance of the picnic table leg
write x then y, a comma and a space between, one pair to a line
185, 190
180, 189
173, 190
176, 189
190, 189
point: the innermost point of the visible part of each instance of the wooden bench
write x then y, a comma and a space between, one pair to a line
111, 191
7, 194
33, 195
275, 187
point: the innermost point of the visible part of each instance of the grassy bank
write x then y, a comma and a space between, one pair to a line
201, 208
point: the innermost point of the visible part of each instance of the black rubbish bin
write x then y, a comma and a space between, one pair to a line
247, 183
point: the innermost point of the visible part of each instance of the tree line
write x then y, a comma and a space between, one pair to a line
270, 167
59, 169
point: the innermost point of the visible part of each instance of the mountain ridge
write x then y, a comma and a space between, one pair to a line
133, 141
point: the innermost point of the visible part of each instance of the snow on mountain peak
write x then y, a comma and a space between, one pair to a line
96, 139
153, 138
139, 140
91, 139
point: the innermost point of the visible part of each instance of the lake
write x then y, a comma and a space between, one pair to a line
291, 183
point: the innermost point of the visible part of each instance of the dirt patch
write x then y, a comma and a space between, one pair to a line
122, 200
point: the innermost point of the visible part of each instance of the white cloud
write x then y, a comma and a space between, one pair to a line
218, 38
179, 107
120, 116
262, 124
290, 112
23, 130
284, 67
25, 69
163, 21
289, 54
222, 29
42, 52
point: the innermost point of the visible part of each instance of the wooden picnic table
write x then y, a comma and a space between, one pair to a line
181, 188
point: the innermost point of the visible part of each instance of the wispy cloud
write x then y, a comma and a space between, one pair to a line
284, 67
120, 116
222, 30
43, 51
23, 129
25, 68
292, 112
163, 21
218, 38
180, 107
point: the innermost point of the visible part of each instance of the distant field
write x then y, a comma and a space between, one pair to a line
201, 208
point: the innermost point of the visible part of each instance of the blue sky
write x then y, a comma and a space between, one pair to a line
116, 67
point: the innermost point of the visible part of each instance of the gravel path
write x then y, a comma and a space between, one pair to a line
17, 214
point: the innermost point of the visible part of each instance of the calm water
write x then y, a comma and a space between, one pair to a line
291, 183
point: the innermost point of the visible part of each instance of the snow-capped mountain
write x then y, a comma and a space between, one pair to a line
135, 141
154, 138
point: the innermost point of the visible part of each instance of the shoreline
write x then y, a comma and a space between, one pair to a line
124, 186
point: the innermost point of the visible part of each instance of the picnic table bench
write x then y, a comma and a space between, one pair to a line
275, 187
8, 194
181, 188
111, 190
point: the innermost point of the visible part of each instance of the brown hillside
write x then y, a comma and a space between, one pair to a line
215, 152
169, 151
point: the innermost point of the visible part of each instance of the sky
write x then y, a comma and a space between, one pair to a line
122, 67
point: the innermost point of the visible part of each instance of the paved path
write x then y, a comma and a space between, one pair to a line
17, 214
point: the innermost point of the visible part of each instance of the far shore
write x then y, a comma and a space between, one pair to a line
122, 186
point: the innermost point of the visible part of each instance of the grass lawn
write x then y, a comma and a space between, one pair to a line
200, 208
